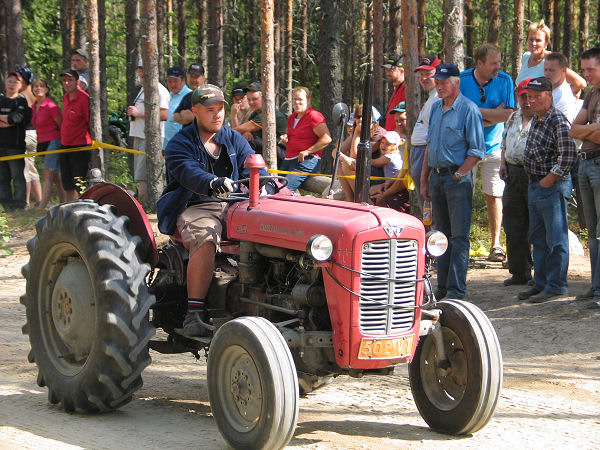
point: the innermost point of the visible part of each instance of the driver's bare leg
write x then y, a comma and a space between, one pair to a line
200, 270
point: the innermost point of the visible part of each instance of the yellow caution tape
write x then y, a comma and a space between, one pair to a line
94, 146
407, 179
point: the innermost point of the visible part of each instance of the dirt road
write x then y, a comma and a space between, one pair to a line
550, 399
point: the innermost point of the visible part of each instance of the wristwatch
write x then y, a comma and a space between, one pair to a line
457, 175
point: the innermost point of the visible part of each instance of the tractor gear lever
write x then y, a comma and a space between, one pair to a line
221, 186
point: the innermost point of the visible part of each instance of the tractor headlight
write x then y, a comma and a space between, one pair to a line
319, 247
437, 243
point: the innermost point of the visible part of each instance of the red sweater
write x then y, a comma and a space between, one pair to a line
302, 136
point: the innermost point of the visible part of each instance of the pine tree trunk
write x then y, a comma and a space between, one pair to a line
303, 13
422, 27
567, 45
154, 160
65, 32
103, 80
201, 33
517, 39
16, 45
555, 46
289, 54
493, 21
80, 24
549, 16
395, 28
267, 60
469, 30
330, 69
410, 41
453, 34
584, 25
216, 61
277, 26
168, 22
94, 81
132, 26
253, 70
3, 42
161, 24
181, 37
378, 30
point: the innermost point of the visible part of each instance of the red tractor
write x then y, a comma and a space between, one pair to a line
304, 290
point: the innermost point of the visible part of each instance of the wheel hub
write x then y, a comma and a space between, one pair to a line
73, 309
247, 399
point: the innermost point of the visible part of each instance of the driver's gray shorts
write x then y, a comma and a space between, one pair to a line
202, 223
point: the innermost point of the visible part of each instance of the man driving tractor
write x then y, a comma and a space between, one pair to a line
204, 160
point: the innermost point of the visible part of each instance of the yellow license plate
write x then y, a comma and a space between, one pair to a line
386, 348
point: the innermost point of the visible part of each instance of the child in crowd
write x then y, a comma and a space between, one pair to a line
391, 147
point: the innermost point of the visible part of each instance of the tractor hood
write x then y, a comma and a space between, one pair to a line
290, 221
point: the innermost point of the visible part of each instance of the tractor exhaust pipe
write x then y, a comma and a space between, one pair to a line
364, 153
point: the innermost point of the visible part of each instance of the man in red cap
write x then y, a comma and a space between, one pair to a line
418, 139
514, 200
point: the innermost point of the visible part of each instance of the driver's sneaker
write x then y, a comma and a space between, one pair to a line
194, 325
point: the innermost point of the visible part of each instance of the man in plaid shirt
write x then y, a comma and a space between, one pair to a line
550, 153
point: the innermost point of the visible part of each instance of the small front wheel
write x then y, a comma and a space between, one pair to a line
459, 395
252, 384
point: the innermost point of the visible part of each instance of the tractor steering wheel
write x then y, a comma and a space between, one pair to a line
237, 196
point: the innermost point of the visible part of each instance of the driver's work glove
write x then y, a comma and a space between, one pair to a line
221, 186
270, 188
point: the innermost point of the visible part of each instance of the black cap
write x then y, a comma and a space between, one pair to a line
238, 91
393, 61
207, 95
196, 69
26, 73
446, 70
540, 84
71, 73
176, 72
253, 87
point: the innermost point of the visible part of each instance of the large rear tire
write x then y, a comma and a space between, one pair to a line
87, 307
458, 397
252, 384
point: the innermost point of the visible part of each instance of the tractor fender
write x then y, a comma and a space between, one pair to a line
126, 204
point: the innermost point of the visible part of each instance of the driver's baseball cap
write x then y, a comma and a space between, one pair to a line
428, 62
207, 95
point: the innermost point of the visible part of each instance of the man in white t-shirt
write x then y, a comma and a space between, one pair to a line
555, 70
137, 130
418, 139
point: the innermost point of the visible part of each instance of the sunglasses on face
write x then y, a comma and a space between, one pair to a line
482, 92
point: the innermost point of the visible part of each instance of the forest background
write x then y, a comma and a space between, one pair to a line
328, 46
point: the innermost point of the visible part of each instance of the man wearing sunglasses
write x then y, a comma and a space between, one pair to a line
493, 92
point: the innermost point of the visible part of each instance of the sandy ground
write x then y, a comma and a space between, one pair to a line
550, 399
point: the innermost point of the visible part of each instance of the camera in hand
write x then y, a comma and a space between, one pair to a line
131, 118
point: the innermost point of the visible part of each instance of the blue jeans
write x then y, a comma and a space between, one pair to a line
548, 233
589, 186
309, 165
417, 152
452, 203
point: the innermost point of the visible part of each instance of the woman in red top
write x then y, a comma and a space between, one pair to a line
46, 119
307, 135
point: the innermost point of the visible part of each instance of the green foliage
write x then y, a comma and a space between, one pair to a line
4, 233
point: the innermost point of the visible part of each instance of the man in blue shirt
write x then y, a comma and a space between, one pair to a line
493, 92
178, 89
455, 145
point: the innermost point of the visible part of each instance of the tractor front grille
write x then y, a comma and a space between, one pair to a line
387, 302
